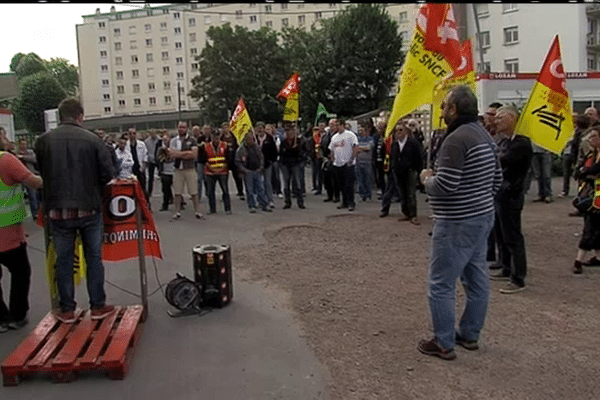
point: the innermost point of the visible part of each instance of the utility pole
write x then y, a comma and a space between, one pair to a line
479, 45
179, 99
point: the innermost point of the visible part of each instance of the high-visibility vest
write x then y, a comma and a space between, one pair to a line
217, 163
12, 203
317, 139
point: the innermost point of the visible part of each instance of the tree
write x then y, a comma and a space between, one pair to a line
30, 64
38, 92
238, 63
14, 62
349, 63
65, 73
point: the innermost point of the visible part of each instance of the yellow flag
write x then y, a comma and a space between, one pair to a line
240, 122
421, 71
290, 91
464, 75
79, 267
547, 118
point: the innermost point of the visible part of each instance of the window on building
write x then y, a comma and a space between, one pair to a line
163, 26
102, 39
178, 31
180, 75
181, 89
176, 15
301, 19
122, 103
269, 24
107, 110
120, 89
136, 88
148, 42
101, 24
179, 60
511, 35
164, 40
300, 5
487, 67
134, 59
104, 68
106, 97
118, 60
103, 54
484, 38
253, 19
238, 14
591, 63
251, 5
118, 46
194, 51
182, 103
285, 22
165, 10
119, 74
167, 85
152, 101
117, 32
137, 102
192, 37
207, 20
118, 17
507, 7
318, 15
105, 82
166, 70
482, 9
164, 55
194, 66
511, 65
149, 57
192, 22
404, 37
133, 44
147, 27
403, 16
132, 30
149, 12
150, 72
284, 6
268, 8
168, 100
135, 73
178, 45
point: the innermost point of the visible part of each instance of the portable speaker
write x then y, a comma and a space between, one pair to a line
212, 271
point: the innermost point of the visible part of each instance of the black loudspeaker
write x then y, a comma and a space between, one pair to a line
212, 271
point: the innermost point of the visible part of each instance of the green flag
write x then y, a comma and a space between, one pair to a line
322, 111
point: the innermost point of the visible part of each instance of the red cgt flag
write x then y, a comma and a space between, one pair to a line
441, 32
291, 86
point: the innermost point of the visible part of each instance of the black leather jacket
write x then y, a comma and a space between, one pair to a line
75, 165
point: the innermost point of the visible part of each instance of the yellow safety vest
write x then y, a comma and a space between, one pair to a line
12, 203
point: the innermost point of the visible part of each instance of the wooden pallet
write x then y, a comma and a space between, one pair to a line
63, 350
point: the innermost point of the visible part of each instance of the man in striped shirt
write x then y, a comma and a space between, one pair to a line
461, 194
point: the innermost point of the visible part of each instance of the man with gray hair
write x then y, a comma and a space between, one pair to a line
461, 193
515, 157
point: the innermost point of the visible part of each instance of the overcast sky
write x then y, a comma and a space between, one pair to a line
45, 29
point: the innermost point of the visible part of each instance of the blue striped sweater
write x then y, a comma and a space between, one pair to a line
467, 175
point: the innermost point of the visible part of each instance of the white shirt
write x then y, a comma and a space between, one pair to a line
125, 160
142, 151
401, 143
342, 144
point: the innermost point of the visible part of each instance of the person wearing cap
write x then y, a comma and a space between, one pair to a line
215, 156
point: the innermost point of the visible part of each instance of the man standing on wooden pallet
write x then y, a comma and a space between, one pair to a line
75, 165
13, 247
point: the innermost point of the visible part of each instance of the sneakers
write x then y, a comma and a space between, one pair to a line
16, 325
384, 214
4, 327
592, 262
577, 267
301, 206
467, 344
562, 194
351, 208
431, 348
511, 288
253, 211
266, 209
280, 195
548, 200
176, 217
499, 276
66, 317
101, 312
200, 216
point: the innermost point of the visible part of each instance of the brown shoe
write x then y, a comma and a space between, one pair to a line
577, 267
592, 262
66, 317
101, 312
415, 221
431, 348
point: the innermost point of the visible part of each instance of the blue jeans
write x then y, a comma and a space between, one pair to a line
292, 175
365, 180
268, 180
200, 169
63, 233
542, 170
34, 203
459, 250
255, 187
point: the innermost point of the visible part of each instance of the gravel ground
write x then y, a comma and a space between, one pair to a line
357, 285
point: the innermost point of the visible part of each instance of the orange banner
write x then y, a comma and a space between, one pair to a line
120, 224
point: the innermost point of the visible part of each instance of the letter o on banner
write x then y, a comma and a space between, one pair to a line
122, 206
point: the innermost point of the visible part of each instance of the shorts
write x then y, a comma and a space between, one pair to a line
187, 177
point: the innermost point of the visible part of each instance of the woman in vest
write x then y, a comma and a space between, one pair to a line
13, 253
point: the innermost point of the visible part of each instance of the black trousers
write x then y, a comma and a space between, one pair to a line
239, 181
151, 168
210, 182
167, 184
17, 263
510, 240
346, 177
330, 184
379, 174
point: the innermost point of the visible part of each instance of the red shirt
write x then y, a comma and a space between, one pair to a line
12, 171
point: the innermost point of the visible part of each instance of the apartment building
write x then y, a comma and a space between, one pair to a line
142, 61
